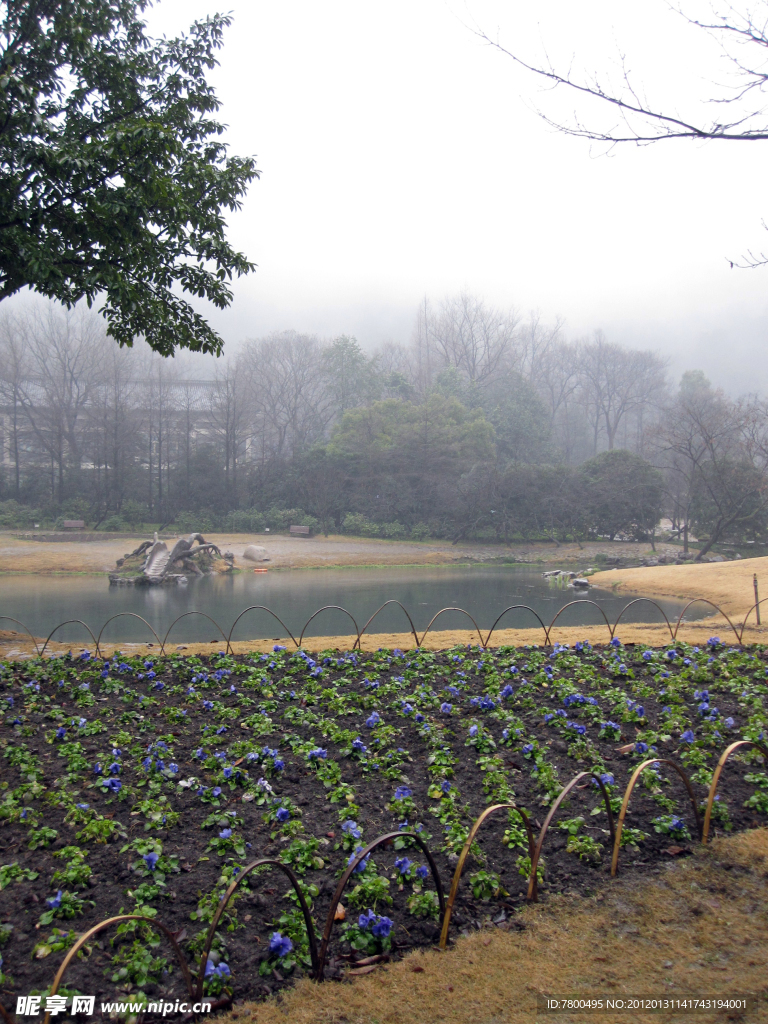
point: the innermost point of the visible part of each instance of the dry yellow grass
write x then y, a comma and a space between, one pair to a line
697, 928
727, 584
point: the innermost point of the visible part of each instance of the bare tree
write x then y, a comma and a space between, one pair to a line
618, 382
473, 337
13, 372
741, 30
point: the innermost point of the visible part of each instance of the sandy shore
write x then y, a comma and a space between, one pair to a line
727, 584
39, 557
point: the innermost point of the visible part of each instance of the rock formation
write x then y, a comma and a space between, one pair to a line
153, 563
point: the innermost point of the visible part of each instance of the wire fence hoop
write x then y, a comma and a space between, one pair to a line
533, 881
628, 793
392, 600
106, 923
512, 608
185, 615
463, 612
716, 778
253, 608
705, 600
328, 608
8, 618
390, 837
119, 615
308, 923
647, 600
582, 601
70, 622
465, 853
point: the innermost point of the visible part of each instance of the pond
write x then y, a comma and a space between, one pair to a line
42, 602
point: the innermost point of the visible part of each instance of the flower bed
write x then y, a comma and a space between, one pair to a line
145, 787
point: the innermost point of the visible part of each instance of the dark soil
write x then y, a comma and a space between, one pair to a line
35, 715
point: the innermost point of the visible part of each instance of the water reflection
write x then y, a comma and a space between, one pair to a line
294, 595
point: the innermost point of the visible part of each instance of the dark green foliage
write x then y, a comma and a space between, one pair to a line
113, 178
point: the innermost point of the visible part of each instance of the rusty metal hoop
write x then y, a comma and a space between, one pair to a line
392, 600
389, 837
328, 608
308, 923
512, 608
625, 803
533, 882
71, 953
465, 852
647, 600
69, 622
184, 616
8, 618
119, 615
716, 778
753, 608
580, 602
712, 604
464, 612
253, 608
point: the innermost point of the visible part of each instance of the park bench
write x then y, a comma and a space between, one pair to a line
301, 531
73, 524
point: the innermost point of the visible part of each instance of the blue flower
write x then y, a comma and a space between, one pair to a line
366, 919
640, 747
82, 807
419, 718
607, 779
528, 748
446, 708
382, 928
151, 859
402, 792
374, 720
353, 857
351, 828
403, 865
507, 691
216, 791
221, 970
283, 814
729, 723
359, 746
54, 902
61, 732
687, 736
445, 786
473, 730
615, 642
422, 872
226, 833
113, 785
317, 754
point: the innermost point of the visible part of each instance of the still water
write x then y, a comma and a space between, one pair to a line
41, 602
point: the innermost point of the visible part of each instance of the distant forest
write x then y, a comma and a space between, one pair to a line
485, 425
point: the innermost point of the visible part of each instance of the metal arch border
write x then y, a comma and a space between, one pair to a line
392, 600
119, 614
512, 608
712, 604
263, 608
752, 609
153, 922
647, 600
389, 837
464, 854
69, 622
223, 905
533, 882
327, 608
716, 778
464, 612
625, 803
8, 618
184, 616
583, 602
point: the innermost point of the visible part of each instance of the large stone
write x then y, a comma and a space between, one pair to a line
255, 553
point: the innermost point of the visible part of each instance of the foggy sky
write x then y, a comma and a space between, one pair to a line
401, 156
